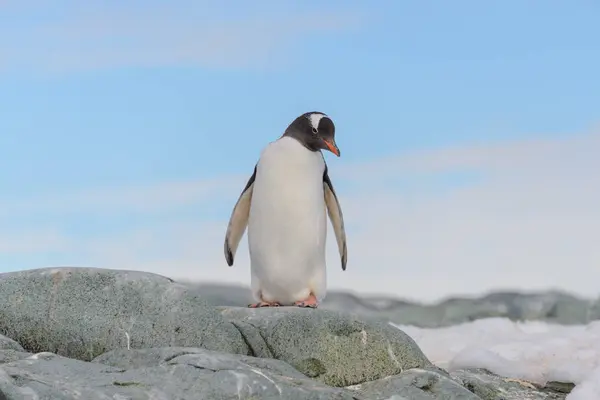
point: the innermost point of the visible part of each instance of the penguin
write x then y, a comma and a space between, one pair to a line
284, 206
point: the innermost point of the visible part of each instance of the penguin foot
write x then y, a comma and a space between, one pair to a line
264, 304
310, 302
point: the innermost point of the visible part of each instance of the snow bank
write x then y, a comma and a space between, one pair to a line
535, 351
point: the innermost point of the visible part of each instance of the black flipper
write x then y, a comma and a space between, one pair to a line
335, 215
238, 220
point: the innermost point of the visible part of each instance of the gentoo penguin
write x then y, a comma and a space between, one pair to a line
283, 205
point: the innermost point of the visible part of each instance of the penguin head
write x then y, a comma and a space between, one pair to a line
315, 131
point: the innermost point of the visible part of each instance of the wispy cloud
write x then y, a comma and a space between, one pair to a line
185, 34
141, 199
529, 220
37, 241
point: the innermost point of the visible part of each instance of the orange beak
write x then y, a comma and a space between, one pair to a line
332, 147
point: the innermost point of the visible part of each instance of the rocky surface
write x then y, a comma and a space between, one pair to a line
92, 334
332, 348
83, 312
164, 373
492, 387
549, 306
416, 384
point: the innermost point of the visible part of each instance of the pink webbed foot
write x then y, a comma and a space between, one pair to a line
309, 302
264, 304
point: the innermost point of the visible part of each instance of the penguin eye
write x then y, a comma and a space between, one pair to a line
314, 130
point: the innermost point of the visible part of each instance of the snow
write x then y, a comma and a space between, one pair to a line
534, 351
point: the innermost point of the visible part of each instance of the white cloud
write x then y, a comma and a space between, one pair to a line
530, 220
183, 34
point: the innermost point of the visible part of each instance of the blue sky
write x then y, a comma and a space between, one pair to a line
127, 131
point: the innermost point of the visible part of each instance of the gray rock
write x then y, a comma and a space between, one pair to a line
549, 306
7, 356
181, 347
492, 387
84, 312
181, 373
9, 344
195, 373
134, 359
416, 384
222, 294
333, 348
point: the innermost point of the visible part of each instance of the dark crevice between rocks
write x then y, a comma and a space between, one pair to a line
267, 345
19, 380
199, 367
272, 353
23, 381
245, 339
117, 383
469, 386
113, 371
426, 383
3, 396
181, 353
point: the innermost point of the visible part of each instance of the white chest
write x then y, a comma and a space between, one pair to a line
288, 206
289, 176
287, 225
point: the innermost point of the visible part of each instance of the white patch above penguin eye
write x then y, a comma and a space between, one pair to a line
314, 119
